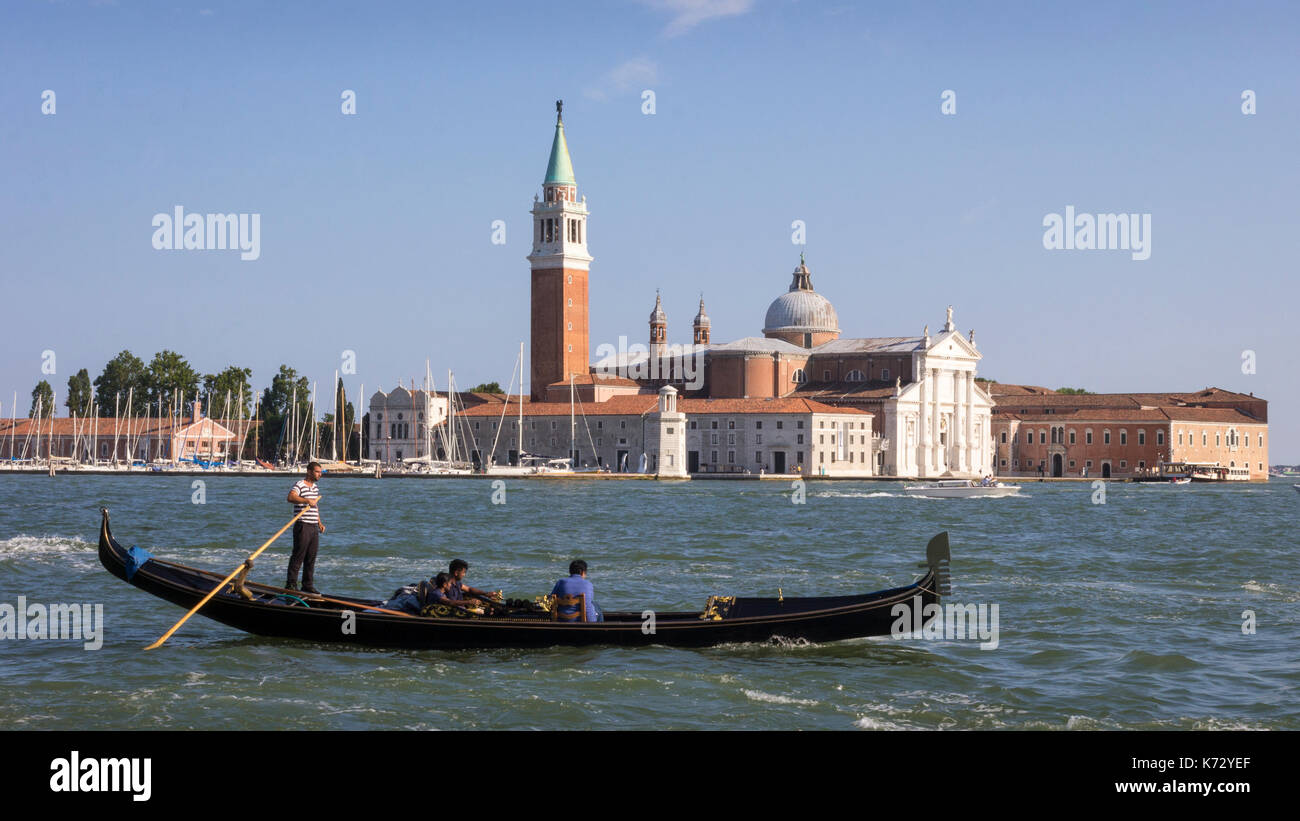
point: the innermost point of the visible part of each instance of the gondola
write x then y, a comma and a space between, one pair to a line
274, 611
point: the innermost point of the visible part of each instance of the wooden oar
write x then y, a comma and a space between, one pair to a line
226, 580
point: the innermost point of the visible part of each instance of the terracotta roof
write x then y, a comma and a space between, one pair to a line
67, 426
596, 378
1135, 414
1211, 415
1003, 389
876, 389
1044, 396
638, 404
629, 405
789, 404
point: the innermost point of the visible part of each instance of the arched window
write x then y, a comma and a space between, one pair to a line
799, 377
855, 376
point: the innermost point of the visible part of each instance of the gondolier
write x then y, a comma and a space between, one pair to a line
306, 531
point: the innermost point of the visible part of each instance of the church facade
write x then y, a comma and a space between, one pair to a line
928, 415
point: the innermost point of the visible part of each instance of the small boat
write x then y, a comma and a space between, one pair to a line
274, 611
961, 489
1185, 480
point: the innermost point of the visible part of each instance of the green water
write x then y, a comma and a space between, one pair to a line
1126, 614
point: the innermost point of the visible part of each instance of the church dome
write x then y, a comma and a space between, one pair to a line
801, 309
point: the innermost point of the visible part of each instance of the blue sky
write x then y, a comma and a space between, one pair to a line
376, 228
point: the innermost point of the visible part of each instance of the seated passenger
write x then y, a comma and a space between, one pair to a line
458, 590
442, 593
577, 583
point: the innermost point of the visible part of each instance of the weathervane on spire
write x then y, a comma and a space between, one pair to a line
559, 111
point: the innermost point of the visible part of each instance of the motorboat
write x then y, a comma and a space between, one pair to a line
961, 489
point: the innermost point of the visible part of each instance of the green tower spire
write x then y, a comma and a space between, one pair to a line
559, 171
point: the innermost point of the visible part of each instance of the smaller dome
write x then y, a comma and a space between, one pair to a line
657, 316
701, 319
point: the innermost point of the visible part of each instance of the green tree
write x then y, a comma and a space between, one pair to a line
276, 411
170, 375
42, 399
124, 374
487, 387
236, 381
1073, 391
79, 393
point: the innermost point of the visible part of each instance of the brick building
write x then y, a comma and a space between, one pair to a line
126, 439
1040, 432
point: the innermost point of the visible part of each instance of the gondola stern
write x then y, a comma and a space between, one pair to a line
938, 559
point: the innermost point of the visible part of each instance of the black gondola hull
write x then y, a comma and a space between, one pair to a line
810, 619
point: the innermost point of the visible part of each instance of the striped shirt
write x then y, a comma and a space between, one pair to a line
306, 491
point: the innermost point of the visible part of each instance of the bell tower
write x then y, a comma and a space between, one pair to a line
560, 262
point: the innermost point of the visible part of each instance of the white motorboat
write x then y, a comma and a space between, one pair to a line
961, 489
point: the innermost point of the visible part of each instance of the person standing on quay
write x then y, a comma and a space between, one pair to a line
306, 531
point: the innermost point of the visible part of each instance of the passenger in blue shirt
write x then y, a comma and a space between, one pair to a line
577, 583
442, 590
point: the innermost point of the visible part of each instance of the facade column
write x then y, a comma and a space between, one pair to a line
935, 375
923, 430
960, 412
971, 444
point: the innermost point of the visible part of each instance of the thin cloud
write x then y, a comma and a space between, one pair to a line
687, 14
630, 75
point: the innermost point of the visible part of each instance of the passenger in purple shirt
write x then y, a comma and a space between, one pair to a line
577, 583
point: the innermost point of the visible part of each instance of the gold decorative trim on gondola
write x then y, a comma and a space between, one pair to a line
717, 607
547, 603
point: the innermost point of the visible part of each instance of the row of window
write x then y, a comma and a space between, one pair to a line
379, 417
1058, 436
800, 376
758, 438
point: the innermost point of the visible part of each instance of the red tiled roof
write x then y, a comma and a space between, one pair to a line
597, 378
637, 404
788, 404
67, 426
1211, 415
1166, 413
632, 404
1003, 389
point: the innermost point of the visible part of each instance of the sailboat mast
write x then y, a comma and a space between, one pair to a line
117, 412
312, 452
334, 454
573, 429
520, 459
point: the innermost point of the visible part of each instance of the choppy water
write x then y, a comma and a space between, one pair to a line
1122, 615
